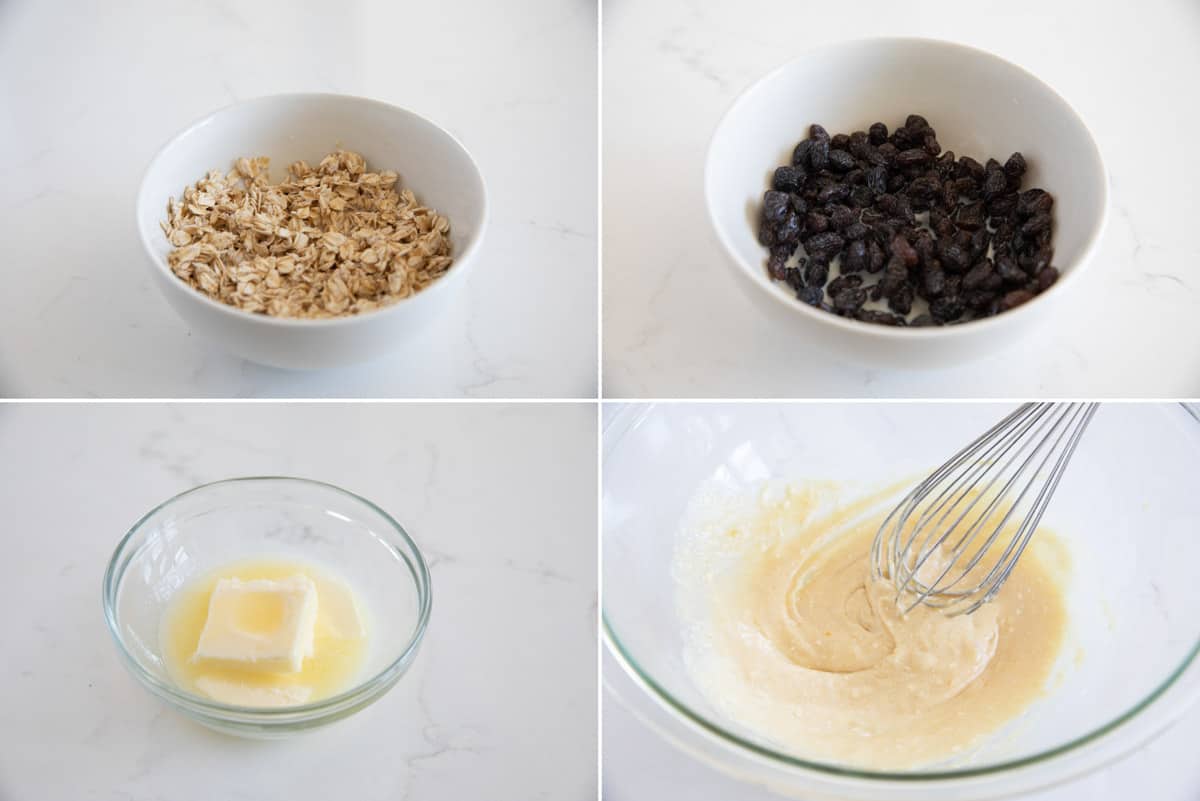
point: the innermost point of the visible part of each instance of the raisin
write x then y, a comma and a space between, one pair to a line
915, 122
1015, 166
776, 264
856, 258
1034, 201
878, 133
966, 187
856, 231
877, 258
916, 157
800, 154
1034, 263
978, 300
794, 279
815, 131
978, 275
902, 250
895, 275
970, 168
934, 283
775, 207
843, 282
834, 193
788, 231
816, 222
930, 143
877, 179
841, 217
1015, 298
946, 308
954, 258
901, 300
861, 196
925, 188
1046, 278
812, 295
828, 242
788, 179
849, 301
945, 165
926, 247
816, 273
818, 154
878, 317
1002, 206
766, 233
994, 184
841, 161
1036, 224
971, 217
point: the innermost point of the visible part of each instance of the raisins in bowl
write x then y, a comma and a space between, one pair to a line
884, 227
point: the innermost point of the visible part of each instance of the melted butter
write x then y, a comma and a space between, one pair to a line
789, 637
338, 652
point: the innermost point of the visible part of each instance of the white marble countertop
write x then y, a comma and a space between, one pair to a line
501, 701
90, 92
677, 325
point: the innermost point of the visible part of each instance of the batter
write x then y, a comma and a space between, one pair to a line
788, 636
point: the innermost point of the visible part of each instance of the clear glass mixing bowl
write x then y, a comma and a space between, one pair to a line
285, 518
1128, 509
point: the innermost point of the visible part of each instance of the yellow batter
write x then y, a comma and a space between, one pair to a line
787, 635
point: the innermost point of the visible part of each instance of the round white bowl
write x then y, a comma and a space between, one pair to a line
1127, 510
285, 128
981, 106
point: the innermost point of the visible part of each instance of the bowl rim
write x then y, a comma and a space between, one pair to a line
459, 265
758, 275
373, 686
631, 416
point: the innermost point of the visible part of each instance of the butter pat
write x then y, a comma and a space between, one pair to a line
229, 692
262, 624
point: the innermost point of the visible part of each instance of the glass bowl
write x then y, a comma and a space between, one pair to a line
1127, 510
268, 517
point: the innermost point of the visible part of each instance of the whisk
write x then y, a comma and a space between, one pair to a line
934, 543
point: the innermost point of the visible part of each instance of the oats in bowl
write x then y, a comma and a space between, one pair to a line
329, 241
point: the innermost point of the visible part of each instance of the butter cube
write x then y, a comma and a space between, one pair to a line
261, 624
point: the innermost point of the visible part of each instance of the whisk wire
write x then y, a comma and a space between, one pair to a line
996, 498
951, 516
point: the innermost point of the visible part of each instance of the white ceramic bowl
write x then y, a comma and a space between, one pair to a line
980, 105
430, 161
1127, 511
